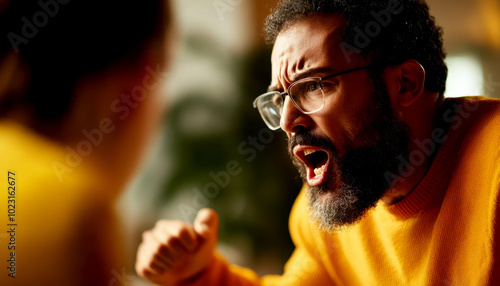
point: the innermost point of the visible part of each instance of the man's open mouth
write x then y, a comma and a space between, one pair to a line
316, 161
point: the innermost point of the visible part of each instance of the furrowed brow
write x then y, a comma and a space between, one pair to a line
313, 72
309, 73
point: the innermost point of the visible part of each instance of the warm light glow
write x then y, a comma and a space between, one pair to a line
465, 76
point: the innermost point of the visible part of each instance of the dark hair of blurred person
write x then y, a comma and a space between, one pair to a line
79, 100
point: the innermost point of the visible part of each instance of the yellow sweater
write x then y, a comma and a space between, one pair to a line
443, 233
63, 230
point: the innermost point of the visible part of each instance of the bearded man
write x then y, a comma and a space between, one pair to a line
401, 184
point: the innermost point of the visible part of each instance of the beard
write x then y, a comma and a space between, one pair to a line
356, 181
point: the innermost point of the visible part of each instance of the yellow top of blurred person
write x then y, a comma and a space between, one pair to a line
79, 101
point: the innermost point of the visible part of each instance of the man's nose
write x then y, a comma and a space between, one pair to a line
292, 119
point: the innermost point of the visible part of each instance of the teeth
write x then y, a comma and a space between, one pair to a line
309, 151
318, 171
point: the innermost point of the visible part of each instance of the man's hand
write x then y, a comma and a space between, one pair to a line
174, 251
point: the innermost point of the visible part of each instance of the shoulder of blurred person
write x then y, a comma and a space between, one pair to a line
60, 223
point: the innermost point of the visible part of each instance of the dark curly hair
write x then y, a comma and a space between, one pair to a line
410, 33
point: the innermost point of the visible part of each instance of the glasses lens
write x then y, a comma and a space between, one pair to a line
307, 94
270, 106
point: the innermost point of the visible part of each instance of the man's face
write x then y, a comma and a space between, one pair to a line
343, 150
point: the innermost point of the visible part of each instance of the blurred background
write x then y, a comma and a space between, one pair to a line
215, 151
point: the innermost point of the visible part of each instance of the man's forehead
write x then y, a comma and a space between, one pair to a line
306, 43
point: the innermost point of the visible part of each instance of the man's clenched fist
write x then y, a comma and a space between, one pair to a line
174, 251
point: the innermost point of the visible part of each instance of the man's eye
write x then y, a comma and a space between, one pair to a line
311, 87
306, 88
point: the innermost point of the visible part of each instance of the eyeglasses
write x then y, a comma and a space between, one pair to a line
307, 94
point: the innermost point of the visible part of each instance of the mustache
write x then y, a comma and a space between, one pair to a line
306, 138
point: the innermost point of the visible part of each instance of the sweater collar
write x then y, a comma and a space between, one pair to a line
430, 185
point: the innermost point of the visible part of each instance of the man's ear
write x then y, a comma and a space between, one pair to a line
411, 78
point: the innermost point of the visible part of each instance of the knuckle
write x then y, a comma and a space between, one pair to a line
182, 232
151, 265
157, 269
146, 235
161, 251
172, 240
157, 256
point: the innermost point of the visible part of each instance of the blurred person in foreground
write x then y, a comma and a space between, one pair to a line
401, 184
80, 85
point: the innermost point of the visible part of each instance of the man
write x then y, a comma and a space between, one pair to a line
401, 185
80, 86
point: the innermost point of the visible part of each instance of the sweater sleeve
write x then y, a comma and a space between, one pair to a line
303, 268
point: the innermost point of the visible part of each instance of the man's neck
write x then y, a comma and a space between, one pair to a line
417, 168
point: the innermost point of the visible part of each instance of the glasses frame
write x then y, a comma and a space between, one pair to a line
287, 92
